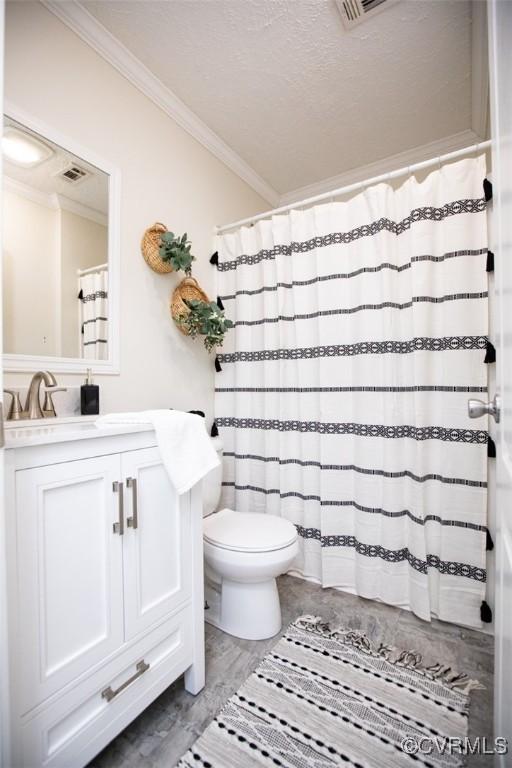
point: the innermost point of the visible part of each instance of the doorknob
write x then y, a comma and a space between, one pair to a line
477, 408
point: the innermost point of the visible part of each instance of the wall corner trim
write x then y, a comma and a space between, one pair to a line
82, 23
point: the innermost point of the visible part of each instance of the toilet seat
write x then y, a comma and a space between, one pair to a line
248, 531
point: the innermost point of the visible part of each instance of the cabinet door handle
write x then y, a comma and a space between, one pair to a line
133, 521
110, 694
119, 526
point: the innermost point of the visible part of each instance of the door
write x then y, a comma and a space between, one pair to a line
69, 572
157, 545
500, 65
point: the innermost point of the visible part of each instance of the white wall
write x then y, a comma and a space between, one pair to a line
166, 176
43, 246
30, 263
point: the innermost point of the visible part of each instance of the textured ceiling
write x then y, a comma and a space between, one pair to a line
291, 91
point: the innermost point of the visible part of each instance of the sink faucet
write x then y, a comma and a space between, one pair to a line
33, 408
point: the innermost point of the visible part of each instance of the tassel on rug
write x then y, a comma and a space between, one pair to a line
214, 258
487, 190
214, 432
490, 262
218, 366
489, 543
406, 659
491, 447
490, 354
219, 303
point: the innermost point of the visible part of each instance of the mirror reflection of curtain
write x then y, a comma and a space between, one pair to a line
93, 296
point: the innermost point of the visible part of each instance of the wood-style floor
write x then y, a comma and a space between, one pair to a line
164, 731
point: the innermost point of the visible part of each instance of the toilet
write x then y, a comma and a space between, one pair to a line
244, 552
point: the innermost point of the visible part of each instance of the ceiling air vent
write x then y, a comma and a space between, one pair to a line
353, 12
73, 174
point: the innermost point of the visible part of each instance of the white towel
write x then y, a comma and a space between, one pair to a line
186, 449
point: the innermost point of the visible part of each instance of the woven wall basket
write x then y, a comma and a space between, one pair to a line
188, 289
150, 247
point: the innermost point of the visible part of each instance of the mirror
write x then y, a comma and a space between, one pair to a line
57, 255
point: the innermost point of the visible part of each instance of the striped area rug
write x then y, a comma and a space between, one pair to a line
323, 698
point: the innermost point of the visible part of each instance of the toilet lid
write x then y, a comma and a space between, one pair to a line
248, 531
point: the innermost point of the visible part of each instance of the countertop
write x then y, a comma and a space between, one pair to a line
23, 434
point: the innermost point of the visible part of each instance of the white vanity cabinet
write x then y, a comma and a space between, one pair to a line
105, 592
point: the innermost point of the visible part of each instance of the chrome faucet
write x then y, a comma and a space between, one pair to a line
33, 408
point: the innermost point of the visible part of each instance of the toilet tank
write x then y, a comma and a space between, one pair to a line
212, 482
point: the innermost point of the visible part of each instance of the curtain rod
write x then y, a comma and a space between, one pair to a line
99, 268
405, 171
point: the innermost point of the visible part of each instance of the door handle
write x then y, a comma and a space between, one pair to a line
119, 526
477, 408
133, 521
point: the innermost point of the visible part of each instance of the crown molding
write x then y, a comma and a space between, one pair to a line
91, 31
386, 165
29, 193
80, 209
80, 21
54, 201
479, 70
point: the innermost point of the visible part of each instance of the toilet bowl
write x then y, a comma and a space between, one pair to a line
244, 552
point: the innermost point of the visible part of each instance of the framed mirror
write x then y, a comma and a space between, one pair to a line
60, 244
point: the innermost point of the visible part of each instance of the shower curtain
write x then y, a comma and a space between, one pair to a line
360, 333
93, 297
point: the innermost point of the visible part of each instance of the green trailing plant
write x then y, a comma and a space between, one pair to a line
205, 319
175, 250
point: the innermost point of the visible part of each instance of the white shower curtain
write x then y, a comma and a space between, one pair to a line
93, 297
360, 332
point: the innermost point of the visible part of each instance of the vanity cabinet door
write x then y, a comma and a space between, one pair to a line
157, 545
69, 573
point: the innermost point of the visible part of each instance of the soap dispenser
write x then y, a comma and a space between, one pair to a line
89, 396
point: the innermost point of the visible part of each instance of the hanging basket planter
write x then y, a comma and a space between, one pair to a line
164, 251
188, 290
195, 315
150, 247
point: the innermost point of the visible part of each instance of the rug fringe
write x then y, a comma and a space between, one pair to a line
409, 659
